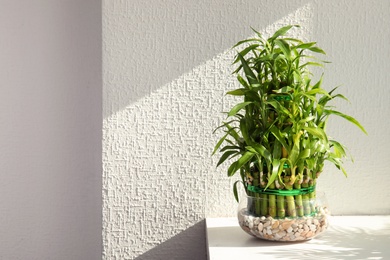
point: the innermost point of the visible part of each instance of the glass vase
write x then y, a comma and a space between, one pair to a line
283, 218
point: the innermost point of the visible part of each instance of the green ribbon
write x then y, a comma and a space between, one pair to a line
293, 192
285, 97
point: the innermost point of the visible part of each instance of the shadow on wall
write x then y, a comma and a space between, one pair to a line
190, 244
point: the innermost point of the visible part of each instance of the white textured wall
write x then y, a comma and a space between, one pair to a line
50, 136
166, 69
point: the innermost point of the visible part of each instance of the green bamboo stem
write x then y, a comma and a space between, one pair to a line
306, 197
291, 211
256, 182
263, 197
280, 204
312, 197
298, 199
272, 202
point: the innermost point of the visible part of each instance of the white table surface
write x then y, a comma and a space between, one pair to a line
348, 237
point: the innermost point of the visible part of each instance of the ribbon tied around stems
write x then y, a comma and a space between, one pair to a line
293, 192
281, 98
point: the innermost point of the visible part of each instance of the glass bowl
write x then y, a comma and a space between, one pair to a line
284, 218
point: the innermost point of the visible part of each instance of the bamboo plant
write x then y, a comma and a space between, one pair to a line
275, 137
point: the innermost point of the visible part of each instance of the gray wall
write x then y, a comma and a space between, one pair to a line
50, 137
166, 69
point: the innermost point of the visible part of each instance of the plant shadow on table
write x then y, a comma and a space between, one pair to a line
343, 243
189, 244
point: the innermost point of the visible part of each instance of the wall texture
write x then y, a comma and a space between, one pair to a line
166, 67
50, 137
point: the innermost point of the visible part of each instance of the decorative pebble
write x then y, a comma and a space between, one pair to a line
289, 230
260, 227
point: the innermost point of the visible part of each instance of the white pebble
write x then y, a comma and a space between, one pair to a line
260, 227
313, 227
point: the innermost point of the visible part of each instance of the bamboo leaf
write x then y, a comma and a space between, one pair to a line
275, 170
349, 118
277, 152
248, 71
232, 132
283, 45
225, 156
245, 51
260, 149
245, 41
304, 154
244, 131
276, 132
230, 147
311, 63
232, 169
280, 108
304, 45
237, 108
219, 143
236, 92
294, 153
282, 31
318, 91
242, 81
317, 49
316, 131
241, 162
235, 190
338, 148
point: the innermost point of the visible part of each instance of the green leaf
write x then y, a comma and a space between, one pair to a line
240, 162
232, 169
318, 91
276, 132
283, 45
305, 45
311, 63
245, 51
304, 154
338, 148
294, 153
237, 108
219, 143
318, 50
230, 147
232, 132
316, 131
236, 92
225, 156
235, 190
242, 81
248, 71
349, 118
280, 108
277, 152
245, 41
260, 149
282, 31
244, 131
275, 170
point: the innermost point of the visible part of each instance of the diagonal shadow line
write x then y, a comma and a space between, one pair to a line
143, 56
189, 244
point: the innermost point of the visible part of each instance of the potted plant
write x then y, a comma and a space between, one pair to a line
275, 137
